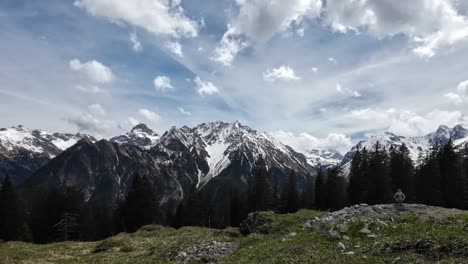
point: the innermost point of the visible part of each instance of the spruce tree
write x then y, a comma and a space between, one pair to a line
336, 193
452, 182
140, 206
262, 190
428, 178
355, 188
12, 224
378, 176
321, 190
289, 198
402, 171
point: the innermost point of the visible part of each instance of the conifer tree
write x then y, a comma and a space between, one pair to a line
262, 190
402, 171
356, 184
452, 182
140, 206
321, 190
428, 178
289, 198
12, 224
336, 193
378, 176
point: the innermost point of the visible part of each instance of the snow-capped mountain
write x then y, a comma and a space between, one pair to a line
24, 150
323, 157
217, 147
140, 135
416, 145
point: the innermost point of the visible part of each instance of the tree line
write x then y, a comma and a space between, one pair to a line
440, 178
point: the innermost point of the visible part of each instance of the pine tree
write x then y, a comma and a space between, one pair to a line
378, 176
289, 198
451, 176
355, 188
308, 196
262, 190
402, 171
321, 190
428, 178
140, 206
336, 193
12, 224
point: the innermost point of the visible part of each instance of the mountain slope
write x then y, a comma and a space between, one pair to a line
22, 150
140, 135
104, 170
417, 146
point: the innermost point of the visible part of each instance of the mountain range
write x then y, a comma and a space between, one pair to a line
217, 157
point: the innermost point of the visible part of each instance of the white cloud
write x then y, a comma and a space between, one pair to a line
259, 20
430, 25
304, 142
228, 48
331, 59
97, 110
462, 87
92, 121
408, 123
163, 83
149, 115
347, 91
205, 88
454, 98
175, 47
94, 70
460, 96
90, 89
184, 112
160, 17
314, 69
136, 44
283, 73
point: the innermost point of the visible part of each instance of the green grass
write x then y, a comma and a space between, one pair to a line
408, 240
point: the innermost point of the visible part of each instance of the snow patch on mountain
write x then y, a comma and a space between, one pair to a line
18, 139
417, 146
140, 135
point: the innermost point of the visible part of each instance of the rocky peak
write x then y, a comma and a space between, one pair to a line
142, 128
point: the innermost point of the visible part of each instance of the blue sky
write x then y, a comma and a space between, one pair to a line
315, 73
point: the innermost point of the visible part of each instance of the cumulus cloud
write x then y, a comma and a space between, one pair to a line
184, 112
460, 96
430, 25
259, 20
163, 83
228, 48
408, 123
205, 87
347, 91
175, 47
92, 121
314, 69
93, 70
331, 59
159, 17
283, 73
304, 142
136, 44
149, 115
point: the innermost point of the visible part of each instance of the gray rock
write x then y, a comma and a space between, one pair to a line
333, 235
206, 252
365, 231
343, 228
341, 246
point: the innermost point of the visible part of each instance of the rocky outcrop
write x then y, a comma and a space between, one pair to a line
206, 252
